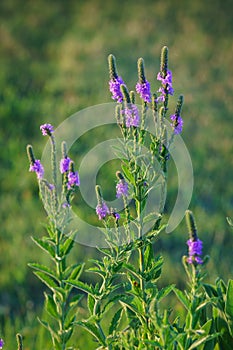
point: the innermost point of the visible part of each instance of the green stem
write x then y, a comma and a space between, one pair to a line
54, 172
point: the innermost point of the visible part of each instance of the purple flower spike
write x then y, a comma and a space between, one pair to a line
46, 129
167, 88
143, 89
115, 88
195, 251
122, 188
73, 179
37, 167
1, 343
131, 116
177, 123
64, 165
102, 210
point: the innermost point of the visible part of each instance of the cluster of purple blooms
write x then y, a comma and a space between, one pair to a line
37, 167
115, 88
102, 210
122, 188
143, 89
132, 117
195, 251
166, 88
1, 343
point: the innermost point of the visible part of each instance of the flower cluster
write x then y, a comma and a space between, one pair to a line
122, 188
195, 251
143, 89
177, 123
1, 343
115, 88
66, 164
166, 88
102, 210
73, 179
38, 168
131, 116
46, 129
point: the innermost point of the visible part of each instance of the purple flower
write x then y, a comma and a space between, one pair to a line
143, 89
102, 210
131, 116
37, 167
46, 129
64, 165
66, 205
177, 123
195, 251
1, 343
115, 88
73, 179
167, 86
116, 216
122, 188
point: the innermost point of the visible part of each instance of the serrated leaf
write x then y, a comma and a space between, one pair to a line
68, 245
229, 299
48, 281
80, 285
128, 174
76, 271
50, 328
51, 306
91, 328
44, 269
115, 321
90, 303
44, 246
164, 292
203, 340
210, 290
181, 296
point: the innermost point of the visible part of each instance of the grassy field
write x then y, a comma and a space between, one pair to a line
53, 62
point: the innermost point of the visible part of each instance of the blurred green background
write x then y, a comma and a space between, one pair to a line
53, 62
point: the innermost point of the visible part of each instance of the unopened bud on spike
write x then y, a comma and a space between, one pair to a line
141, 71
179, 105
132, 97
125, 93
119, 175
64, 149
192, 228
30, 154
164, 61
112, 67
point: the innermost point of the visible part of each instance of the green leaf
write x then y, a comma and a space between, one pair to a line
51, 306
210, 290
90, 303
148, 256
76, 271
48, 281
44, 269
115, 321
181, 296
91, 328
68, 245
128, 174
80, 285
203, 340
164, 292
229, 299
47, 247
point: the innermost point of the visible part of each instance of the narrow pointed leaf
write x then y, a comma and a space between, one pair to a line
44, 246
